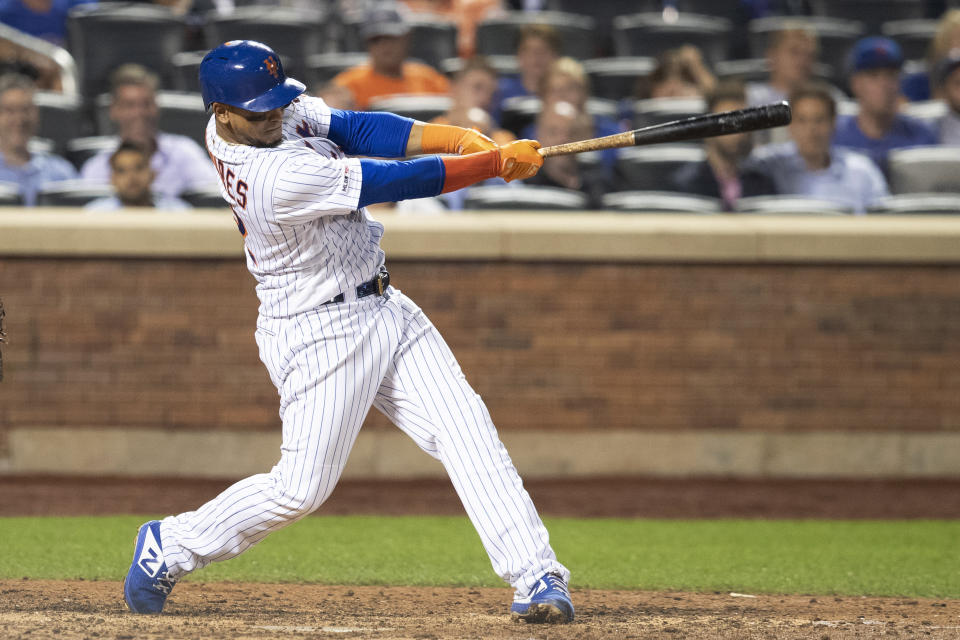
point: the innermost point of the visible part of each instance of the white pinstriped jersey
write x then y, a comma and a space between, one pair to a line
306, 242
296, 206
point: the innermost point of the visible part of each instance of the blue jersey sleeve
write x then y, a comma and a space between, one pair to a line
391, 181
370, 133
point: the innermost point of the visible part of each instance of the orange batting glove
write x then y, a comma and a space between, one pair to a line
445, 138
520, 159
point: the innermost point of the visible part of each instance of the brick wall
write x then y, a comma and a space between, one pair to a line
169, 343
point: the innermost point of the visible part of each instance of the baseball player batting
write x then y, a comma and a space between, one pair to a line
335, 337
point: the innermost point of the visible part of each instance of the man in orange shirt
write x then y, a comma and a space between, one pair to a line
388, 72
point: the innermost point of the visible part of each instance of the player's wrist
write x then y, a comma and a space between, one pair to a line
450, 139
463, 171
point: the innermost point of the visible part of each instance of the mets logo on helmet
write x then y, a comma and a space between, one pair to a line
272, 66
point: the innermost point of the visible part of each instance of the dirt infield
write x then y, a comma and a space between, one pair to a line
32, 609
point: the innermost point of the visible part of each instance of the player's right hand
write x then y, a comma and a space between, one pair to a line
520, 159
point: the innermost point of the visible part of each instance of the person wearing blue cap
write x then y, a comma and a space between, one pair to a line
879, 127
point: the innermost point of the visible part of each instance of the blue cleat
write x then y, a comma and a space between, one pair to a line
147, 585
548, 601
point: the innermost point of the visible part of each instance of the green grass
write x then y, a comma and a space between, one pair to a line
897, 558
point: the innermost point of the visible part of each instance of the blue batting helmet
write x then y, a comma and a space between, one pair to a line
246, 74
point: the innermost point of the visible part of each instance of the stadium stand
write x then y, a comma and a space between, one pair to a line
650, 168
617, 41
422, 108
525, 197
79, 150
295, 35
836, 37
71, 193
10, 195
204, 198
774, 205
61, 118
913, 36
924, 169
498, 36
919, 204
186, 65
614, 78
101, 36
180, 112
871, 12
659, 202
651, 111
647, 34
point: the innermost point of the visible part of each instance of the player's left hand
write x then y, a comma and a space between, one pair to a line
520, 159
472, 141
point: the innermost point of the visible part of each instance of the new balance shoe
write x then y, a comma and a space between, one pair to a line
548, 601
147, 585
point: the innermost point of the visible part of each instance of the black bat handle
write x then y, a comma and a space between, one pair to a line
716, 124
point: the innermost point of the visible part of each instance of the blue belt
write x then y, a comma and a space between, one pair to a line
376, 286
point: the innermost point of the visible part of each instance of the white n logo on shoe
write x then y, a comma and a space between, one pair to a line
151, 556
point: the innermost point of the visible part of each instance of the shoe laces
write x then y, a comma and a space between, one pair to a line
164, 583
556, 581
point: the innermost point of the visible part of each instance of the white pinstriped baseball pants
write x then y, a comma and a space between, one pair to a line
330, 365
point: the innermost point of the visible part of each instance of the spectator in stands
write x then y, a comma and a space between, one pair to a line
809, 166
727, 173
567, 81
467, 14
473, 90
388, 72
791, 54
132, 177
18, 123
179, 162
336, 96
947, 77
558, 123
680, 73
922, 86
45, 19
538, 47
878, 127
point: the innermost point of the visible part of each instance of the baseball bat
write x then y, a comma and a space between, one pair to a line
705, 126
